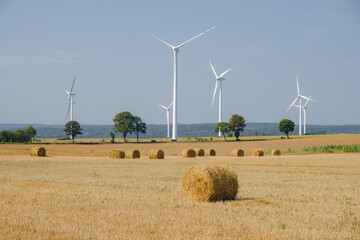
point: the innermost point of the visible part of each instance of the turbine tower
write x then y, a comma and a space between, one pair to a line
304, 108
168, 109
299, 97
176, 51
70, 100
219, 80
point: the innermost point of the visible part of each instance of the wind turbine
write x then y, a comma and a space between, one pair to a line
70, 100
168, 109
219, 80
299, 97
176, 51
304, 111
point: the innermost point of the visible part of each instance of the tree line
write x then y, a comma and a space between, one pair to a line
18, 135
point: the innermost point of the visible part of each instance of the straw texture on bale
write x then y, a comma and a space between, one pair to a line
257, 153
117, 154
156, 154
38, 152
188, 153
275, 152
210, 152
237, 153
207, 183
133, 154
200, 152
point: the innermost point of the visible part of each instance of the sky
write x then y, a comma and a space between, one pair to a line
118, 67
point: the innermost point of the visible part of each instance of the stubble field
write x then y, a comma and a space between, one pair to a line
72, 195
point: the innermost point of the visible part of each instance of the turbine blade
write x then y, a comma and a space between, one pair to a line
67, 92
307, 101
302, 96
212, 67
216, 86
68, 111
179, 46
162, 106
170, 105
297, 84
292, 103
225, 72
157, 37
72, 86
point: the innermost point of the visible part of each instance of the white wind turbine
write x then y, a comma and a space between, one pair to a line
176, 51
299, 97
219, 80
70, 100
304, 108
168, 109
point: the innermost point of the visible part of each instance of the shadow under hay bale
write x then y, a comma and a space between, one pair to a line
133, 154
156, 154
210, 152
257, 153
38, 152
117, 154
206, 183
200, 152
237, 153
275, 152
188, 153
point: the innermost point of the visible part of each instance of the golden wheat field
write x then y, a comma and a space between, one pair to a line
79, 194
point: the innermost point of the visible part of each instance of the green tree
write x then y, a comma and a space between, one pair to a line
112, 136
30, 132
124, 123
7, 136
72, 129
223, 127
237, 125
20, 136
286, 126
139, 127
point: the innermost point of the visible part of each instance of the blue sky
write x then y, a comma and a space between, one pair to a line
44, 44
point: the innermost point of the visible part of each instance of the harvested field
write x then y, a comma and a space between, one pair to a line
282, 197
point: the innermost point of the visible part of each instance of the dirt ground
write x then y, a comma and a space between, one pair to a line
175, 148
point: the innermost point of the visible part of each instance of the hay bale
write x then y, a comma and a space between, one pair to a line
38, 152
275, 152
133, 153
237, 153
200, 152
188, 153
156, 154
205, 183
257, 153
210, 152
117, 154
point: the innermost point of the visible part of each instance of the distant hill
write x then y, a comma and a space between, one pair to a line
184, 130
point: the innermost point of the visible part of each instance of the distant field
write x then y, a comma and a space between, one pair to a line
75, 197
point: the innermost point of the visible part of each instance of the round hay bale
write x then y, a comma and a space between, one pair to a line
275, 152
156, 154
200, 152
38, 152
210, 152
117, 154
257, 153
133, 153
205, 183
188, 153
237, 153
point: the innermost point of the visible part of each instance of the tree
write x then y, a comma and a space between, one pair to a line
124, 123
7, 136
286, 126
139, 127
223, 127
30, 132
112, 136
72, 128
237, 125
20, 136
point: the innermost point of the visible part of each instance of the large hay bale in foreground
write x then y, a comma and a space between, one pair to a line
133, 153
200, 152
257, 153
117, 154
38, 152
237, 153
188, 153
275, 152
205, 183
210, 152
156, 154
